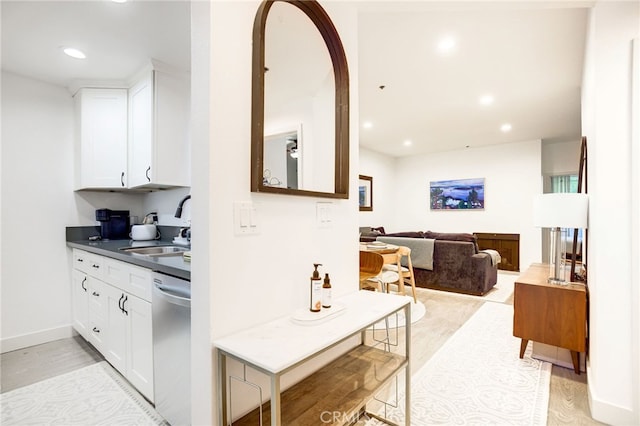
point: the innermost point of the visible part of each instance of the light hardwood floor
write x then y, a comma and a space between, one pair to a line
30, 365
445, 314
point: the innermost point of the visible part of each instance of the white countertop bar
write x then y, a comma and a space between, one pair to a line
277, 345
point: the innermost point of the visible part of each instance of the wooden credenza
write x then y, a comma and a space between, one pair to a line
552, 314
508, 245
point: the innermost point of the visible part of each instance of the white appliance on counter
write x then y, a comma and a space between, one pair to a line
144, 232
171, 307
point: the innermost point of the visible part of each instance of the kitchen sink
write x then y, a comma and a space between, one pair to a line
157, 251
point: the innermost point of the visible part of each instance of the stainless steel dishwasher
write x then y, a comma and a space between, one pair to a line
171, 307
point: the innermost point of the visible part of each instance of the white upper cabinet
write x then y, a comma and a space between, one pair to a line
141, 131
159, 149
101, 146
135, 137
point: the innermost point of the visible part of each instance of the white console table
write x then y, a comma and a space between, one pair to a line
281, 345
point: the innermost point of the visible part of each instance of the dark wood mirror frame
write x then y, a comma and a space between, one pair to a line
582, 179
323, 23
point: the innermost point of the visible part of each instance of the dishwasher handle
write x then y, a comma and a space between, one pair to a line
173, 295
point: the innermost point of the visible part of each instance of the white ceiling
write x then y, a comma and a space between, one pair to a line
529, 56
118, 39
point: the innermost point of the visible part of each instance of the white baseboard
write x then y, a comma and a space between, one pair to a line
607, 412
25, 340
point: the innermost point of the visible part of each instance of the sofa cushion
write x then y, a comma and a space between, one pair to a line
454, 236
418, 234
451, 236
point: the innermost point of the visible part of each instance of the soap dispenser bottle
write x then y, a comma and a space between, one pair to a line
326, 292
315, 304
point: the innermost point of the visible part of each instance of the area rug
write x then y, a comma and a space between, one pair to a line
499, 293
477, 377
93, 395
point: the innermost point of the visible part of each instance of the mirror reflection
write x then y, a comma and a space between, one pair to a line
299, 93
282, 153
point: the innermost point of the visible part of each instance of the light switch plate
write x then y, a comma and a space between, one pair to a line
245, 218
324, 215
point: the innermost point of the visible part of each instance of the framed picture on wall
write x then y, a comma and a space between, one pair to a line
365, 193
457, 194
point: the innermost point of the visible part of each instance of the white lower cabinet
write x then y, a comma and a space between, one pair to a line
98, 332
80, 302
140, 342
113, 318
117, 323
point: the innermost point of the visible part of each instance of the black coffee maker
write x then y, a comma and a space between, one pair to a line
114, 224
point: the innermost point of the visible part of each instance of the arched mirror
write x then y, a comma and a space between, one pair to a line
300, 102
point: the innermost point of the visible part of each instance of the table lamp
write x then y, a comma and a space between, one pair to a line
559, 211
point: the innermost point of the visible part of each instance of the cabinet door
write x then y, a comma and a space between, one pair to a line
115, 350
80, 302
172, 148
132, 279
141, 135
97, 329
81, 260
102, 117
140, 361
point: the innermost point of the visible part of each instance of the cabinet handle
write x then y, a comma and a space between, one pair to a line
120, 304
123, 302
147, 173
80, 260
82, 284
96, 294
122, 179
96, 330
96, 266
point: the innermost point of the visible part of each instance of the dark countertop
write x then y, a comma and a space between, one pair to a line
171, 265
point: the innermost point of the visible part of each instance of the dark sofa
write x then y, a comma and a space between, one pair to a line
457, 264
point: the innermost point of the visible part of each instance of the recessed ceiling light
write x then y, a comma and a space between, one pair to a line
74, 53
486, 99
505, 127
407, 143
446, 45
119, 1
367, 124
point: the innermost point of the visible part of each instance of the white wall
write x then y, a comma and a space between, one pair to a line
37, 178
165, 203
508, 200
38, 202
202, 272
256, 278
607, 122
382, 168
561, 158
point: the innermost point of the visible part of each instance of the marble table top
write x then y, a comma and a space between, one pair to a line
280, 344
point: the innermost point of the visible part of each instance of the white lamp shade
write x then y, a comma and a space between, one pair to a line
560, 210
